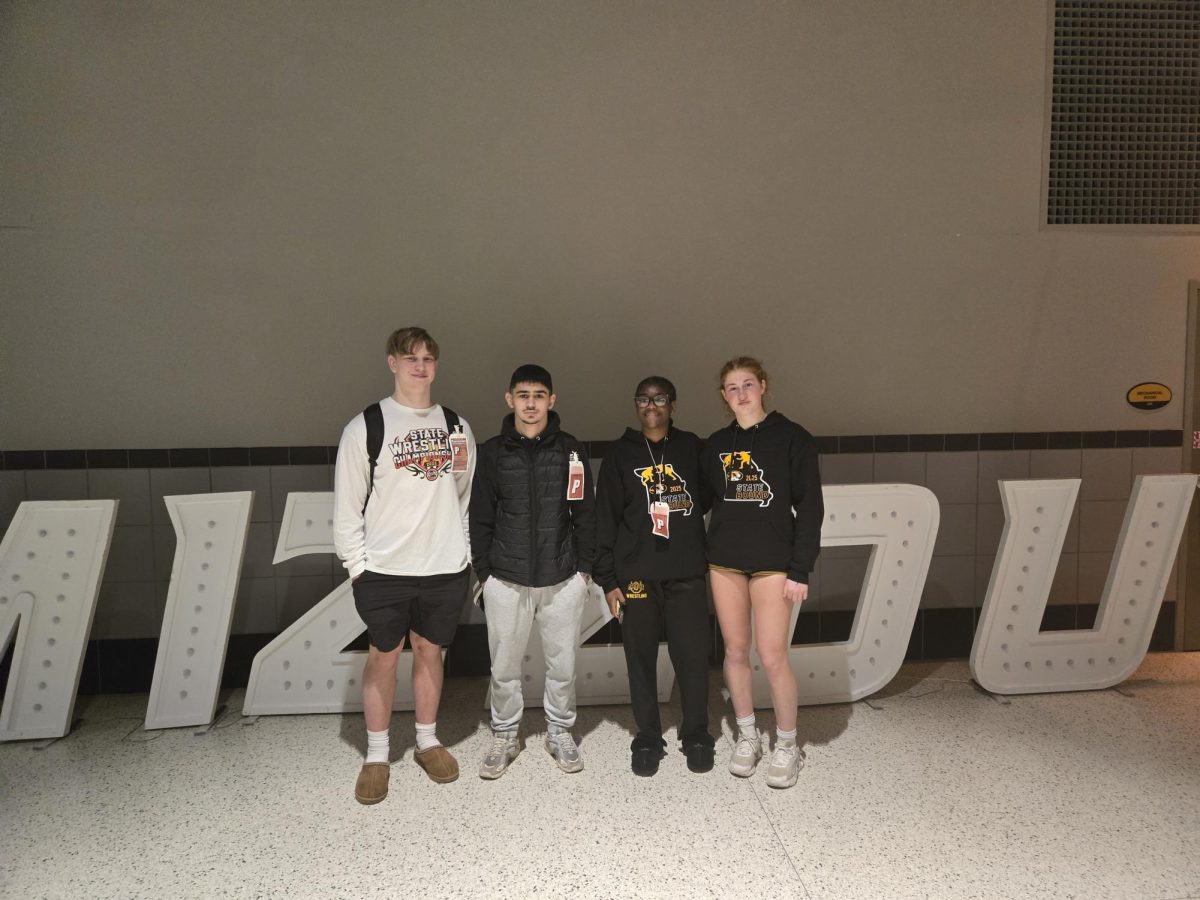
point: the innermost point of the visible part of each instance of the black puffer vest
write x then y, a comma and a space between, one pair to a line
523, 528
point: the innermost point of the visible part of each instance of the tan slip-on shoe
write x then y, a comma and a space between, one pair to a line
438, 764
372, 784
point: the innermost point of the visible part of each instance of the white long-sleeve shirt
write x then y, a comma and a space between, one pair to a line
416, 521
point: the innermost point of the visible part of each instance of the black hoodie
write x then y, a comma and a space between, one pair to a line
626, 547
523, 528
767, 505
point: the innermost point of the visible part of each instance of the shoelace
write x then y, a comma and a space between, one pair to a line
566, 743
499, 745
747, 744
783, 755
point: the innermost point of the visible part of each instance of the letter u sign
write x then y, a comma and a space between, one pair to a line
1010, 655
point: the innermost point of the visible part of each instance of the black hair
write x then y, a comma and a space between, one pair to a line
663, 384
530, 373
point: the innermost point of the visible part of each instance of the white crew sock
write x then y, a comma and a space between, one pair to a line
377, 746
746, 727
787, 738
427, 737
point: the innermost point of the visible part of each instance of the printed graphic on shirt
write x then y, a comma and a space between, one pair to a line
744, 479
663, 483
636, 590
424, 451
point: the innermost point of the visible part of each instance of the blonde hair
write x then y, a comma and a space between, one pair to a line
749, 363
405, 340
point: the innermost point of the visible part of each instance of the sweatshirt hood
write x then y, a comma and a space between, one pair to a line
635, 436
773, 418
508, 426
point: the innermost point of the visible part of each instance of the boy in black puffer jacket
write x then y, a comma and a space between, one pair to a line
532, 537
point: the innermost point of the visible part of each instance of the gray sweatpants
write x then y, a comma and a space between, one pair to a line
511, 609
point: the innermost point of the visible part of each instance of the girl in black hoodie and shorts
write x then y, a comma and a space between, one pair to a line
763, 541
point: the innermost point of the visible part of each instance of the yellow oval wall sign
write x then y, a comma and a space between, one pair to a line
1149, 395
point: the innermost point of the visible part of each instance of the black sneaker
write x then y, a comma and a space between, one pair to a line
645, 761
700, 758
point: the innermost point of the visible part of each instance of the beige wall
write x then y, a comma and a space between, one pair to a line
213, 213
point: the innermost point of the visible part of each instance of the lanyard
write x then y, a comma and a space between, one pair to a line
655, 467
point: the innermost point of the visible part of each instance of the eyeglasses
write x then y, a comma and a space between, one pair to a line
659, 400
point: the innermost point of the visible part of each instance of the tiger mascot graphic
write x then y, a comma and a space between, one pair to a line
424, 451
744, 480
662, 482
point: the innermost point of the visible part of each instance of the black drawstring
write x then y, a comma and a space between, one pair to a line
753, 429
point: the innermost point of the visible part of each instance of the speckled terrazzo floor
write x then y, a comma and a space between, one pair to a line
929, 789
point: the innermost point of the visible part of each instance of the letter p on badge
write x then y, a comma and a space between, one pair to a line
458, 450
575, 478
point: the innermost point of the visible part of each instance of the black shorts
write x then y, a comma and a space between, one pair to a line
393, 605
747, 572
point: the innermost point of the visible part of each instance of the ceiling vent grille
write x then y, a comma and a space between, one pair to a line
1124, 144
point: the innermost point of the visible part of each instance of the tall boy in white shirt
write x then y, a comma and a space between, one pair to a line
401, 530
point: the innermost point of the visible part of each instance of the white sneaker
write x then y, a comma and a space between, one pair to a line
746, 754
503, 751
565, 751
786, 763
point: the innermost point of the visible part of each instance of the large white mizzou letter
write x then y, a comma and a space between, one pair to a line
304, 669
51, 560
1010, 655
210, 540
901, 521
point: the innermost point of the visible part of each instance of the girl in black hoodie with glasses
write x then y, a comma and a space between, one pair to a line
763, 542
650, 506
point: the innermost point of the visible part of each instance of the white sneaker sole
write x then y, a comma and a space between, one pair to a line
786, 781
740, 770
490, 774
569, 768
781, 784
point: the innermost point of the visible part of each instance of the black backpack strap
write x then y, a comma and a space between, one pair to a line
452, 419
373, 415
